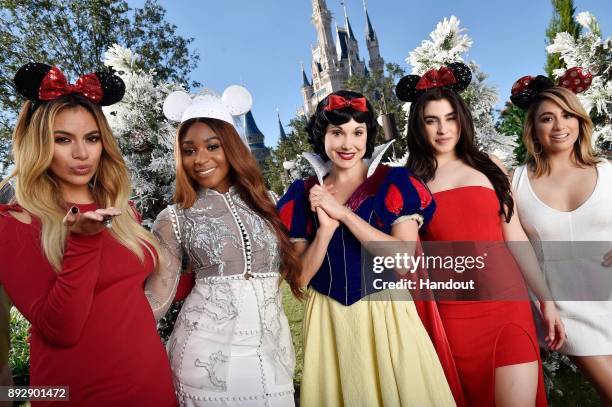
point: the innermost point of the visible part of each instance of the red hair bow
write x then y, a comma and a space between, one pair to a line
338, 102
436, 78
55, 85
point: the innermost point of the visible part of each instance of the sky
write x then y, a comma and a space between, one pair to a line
261, 43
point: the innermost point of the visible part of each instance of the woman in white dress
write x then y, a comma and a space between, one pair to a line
231, 344
564, 193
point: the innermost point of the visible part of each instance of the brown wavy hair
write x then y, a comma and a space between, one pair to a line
584, 154
246, 177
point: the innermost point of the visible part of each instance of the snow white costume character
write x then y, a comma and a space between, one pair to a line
360, 347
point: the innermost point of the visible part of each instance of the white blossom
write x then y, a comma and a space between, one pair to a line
448, 43
120, 58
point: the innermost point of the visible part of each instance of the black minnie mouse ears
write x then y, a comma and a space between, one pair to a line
456, 77
41, 83
525, 90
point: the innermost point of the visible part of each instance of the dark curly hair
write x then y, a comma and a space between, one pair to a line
317, 125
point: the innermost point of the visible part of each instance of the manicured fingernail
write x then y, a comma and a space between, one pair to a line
74, 209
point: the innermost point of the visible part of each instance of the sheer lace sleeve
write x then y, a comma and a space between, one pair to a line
161, 286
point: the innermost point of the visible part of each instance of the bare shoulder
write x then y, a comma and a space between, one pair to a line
23, 217
499, 163
17, 212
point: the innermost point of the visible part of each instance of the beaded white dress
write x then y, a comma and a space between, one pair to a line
231, 344
588, 324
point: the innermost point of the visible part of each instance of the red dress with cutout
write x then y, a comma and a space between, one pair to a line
483, 335
92, 327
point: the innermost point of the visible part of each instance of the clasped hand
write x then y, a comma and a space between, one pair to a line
329, 211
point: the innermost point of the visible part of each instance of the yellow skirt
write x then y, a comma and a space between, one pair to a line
375, 352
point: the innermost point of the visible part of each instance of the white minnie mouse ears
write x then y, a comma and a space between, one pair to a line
236, 100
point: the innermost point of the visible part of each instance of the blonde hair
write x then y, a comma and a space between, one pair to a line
584, 154
38, 193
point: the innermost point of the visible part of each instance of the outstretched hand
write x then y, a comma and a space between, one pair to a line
89, 223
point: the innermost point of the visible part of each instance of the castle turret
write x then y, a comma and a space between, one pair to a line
256, 139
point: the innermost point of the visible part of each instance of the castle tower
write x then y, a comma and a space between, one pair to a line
256, 139
282, 135
376, 62
333, 63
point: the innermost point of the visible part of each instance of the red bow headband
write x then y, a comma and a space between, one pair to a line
436, 79
42, 83
335, 102
55, 85
455, 76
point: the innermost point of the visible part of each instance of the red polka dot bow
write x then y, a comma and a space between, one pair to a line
576, 79
338, 102
55, 85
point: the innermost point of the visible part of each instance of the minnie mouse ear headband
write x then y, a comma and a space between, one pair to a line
526, 89
236, 100
42, 83
456, 76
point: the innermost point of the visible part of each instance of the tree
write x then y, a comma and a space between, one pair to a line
594, 53
561, 21
288, 152
74, 35
380, 91
145, 137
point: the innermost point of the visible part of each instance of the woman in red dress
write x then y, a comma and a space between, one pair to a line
493, 342
74, 257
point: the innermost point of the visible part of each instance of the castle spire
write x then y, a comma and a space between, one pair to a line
371, 35
283, 135
305, 81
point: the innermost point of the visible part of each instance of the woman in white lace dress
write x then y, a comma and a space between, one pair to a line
231, 343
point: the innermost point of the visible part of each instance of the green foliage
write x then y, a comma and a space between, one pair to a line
74, 34
380, 91
288, 149
565, 384
19, 352
294, 309
561, 21
510, 124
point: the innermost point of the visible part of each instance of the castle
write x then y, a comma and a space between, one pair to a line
333, 63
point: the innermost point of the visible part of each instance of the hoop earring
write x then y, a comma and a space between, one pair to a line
536, 144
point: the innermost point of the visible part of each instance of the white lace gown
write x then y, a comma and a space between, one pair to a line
231, 344
588, 324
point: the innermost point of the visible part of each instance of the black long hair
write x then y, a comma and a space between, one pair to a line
422, 162
318, 122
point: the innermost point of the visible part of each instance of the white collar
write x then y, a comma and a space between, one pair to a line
322, 168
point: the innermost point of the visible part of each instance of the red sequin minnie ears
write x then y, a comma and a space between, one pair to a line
41, 83
526, 89
456, 76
